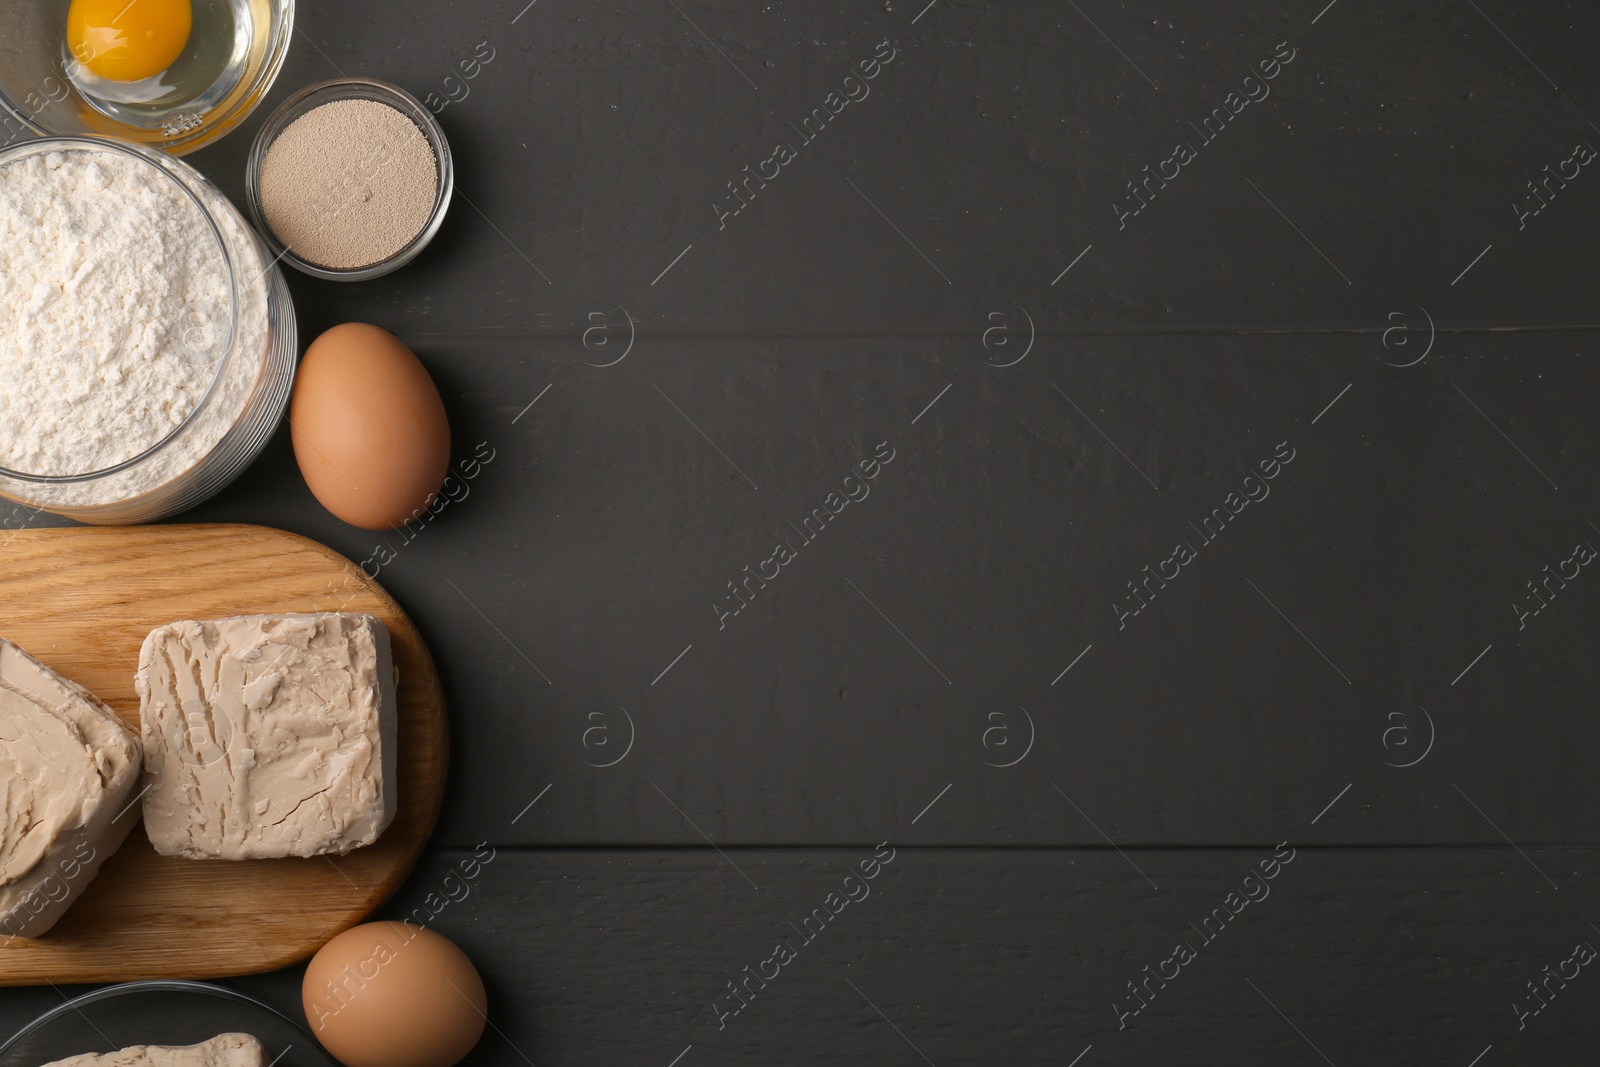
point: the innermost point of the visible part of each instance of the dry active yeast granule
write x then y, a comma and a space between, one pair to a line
348, 184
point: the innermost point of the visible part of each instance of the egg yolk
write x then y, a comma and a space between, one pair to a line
127, 40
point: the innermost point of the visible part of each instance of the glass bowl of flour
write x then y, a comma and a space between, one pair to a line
147, 339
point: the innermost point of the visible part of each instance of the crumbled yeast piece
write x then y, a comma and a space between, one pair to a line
224, 1050
68, 768
268, 735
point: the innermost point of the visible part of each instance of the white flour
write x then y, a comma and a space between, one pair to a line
114, 307
114, 325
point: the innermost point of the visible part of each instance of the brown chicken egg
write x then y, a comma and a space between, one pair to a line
369, 430
388, 994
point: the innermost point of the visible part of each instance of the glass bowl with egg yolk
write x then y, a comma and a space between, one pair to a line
171, 74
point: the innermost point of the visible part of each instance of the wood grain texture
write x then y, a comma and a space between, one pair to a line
592, 549
1388, 158
981, 957
82, 601
601, 140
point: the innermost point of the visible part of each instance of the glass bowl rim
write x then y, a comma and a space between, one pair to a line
332, 91
157, 985
210, 133
157, 161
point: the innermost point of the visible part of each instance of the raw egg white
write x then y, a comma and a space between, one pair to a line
388, 994
128, 40
369, 430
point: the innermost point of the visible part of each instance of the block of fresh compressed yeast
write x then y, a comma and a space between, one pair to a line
224, 1050
267, 735
68, 768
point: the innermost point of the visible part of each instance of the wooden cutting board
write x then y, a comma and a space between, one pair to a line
82, 601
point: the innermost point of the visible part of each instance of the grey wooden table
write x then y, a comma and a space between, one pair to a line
1226, 391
